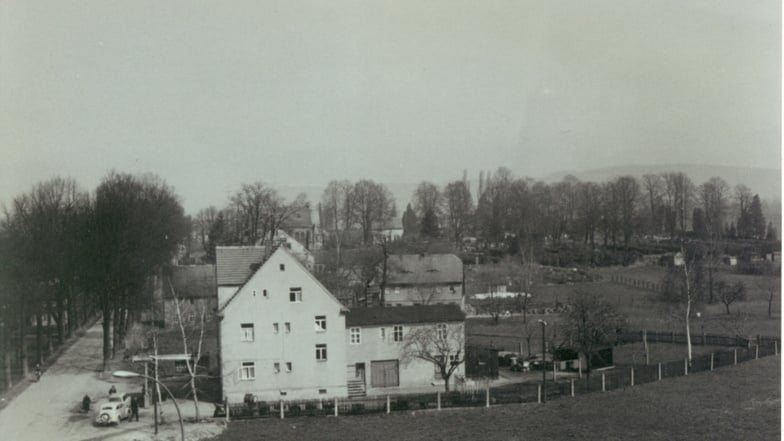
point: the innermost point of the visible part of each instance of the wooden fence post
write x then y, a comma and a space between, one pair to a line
632, 375
539, 393
226, 406
756, 352
438, 398
281, 410
685, 367
659, 371
572, 387
711, 361
735, 356
775, 347
336, 407
487, 397
603, 384
388, 406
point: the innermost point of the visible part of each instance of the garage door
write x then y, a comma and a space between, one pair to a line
384, 373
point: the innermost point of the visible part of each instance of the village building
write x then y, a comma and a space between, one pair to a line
301, 227
423, 279
389, 230
375, 341
282, 334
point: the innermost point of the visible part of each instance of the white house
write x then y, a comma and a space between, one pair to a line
282, 334
375, 340
424, 279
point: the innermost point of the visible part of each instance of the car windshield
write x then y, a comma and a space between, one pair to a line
115, 399
107, 408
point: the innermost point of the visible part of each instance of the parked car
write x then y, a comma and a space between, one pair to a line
113, 410
521, 366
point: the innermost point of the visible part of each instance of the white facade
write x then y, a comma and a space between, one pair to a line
282, 335
374, 357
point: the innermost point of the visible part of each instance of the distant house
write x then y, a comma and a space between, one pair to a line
301, 227
297, 248
389, 230
282, 333
672, 259
375, 338
423, 279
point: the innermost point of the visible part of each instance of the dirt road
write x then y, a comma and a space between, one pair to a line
50, 408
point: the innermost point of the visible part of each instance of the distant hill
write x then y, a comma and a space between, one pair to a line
765, 181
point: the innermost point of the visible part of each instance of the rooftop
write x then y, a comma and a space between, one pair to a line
236, 264
398, 315
422, 269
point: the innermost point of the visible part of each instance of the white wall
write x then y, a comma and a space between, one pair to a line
298, 347
372, 347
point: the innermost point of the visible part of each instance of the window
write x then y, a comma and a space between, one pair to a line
397, 333
276, 368
295, 295
283, 267
397, 290
441, 331
383, 333
453, 360
254, 293
287, 326
321, 352
288, 366
180, 366
452, 289
355, 336
275, 328
246, 332
264, 293
322, 391
248, 370
321, 323
437, 367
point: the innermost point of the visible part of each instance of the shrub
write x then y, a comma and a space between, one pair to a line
357, 409
295, 410
399, 405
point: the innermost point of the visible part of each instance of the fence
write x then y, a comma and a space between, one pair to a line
620, 377
636, 283
697, 339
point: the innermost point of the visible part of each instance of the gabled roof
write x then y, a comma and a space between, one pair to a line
423, 269
193, 281
399, 315
300, 218
234, 265
296, 261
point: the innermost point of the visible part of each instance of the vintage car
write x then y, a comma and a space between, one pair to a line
111, 411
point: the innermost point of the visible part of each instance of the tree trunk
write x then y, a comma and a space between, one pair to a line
22, 344
688, 330
38, 336
107, 333
770, 303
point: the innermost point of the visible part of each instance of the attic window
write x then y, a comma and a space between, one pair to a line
264, 294
283, 267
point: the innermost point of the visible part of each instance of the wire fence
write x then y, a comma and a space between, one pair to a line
569, 385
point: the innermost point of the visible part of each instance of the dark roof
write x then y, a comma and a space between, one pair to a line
300, 218
398, 315
194, 281
422, 269
236, 264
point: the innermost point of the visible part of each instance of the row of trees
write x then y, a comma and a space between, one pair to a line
69, 254
614, 211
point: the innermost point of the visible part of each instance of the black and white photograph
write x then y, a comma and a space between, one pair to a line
401, 220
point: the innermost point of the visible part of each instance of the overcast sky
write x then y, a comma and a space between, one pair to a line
212, 94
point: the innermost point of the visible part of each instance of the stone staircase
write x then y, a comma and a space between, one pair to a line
356, 389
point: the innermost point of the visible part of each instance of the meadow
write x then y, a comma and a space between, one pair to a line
733, 403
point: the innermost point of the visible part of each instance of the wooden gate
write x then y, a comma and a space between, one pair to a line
384, 373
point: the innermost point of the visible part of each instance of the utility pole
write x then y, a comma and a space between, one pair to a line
544, 371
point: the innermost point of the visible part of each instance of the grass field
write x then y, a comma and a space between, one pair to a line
735, 403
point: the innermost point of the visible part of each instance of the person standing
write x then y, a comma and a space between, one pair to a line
134, 409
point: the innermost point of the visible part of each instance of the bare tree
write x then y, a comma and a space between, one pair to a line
730, 293
337, 211
654, 188
772, 286
204, 222
459, 209
187, 323
371, 204
591, 324
627, 193
681, 289
442, 346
